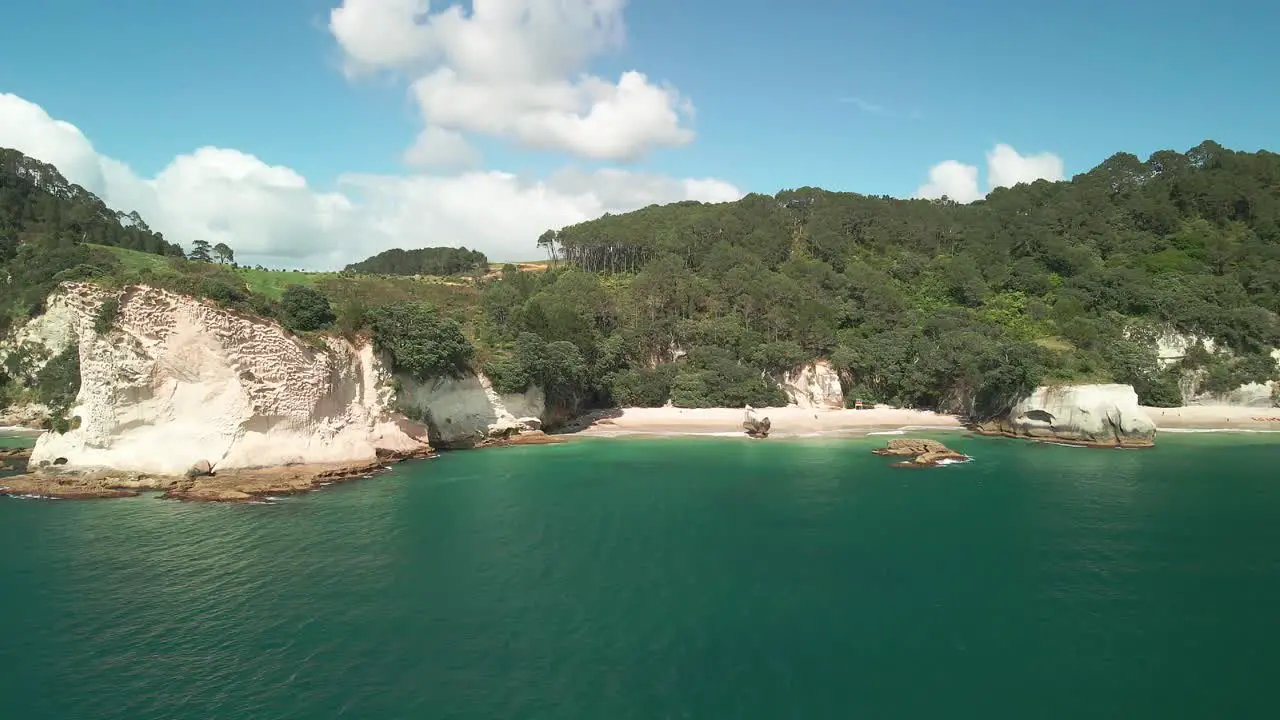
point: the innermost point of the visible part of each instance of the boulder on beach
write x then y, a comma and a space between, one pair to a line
755, 427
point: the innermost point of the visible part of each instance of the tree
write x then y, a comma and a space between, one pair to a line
420, 342
223, 253
547, 241
200, 251
305, 309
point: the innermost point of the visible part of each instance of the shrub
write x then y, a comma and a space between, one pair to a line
106, 316
419, 342
305, 309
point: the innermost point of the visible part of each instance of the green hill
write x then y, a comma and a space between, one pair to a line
960, 308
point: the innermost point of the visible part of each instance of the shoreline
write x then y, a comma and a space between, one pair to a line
257, 485
786, 422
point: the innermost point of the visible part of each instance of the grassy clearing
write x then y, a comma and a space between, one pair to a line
272, 283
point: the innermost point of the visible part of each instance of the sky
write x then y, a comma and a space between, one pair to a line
312, 133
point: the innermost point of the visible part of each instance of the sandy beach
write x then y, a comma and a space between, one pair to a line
1215, 417
786, 421
801, 422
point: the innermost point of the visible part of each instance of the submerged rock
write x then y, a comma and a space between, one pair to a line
924, 453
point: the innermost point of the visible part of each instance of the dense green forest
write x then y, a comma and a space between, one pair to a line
424, 261
933, 304
918, 302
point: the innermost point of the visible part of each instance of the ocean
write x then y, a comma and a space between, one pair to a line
669, 578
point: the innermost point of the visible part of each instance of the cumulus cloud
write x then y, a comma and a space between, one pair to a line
952, 179
1005, 168
442, 149
270, 214
517, 69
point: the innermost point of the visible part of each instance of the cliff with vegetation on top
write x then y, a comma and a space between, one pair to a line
960, 308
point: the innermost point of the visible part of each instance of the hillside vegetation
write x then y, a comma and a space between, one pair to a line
917, 302
960, 308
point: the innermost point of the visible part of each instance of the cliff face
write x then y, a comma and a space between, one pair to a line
1105, 415
816, 385
464, 412
177, 381
1173, 347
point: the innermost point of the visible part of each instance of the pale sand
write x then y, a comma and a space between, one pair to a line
799, 422
785, 422
1215, 417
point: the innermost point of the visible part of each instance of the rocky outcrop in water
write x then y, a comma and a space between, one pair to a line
923, 453
1096, 415
12, 459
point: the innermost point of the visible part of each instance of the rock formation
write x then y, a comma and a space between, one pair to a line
177, 381
923, 453
1100, 415
816, 385
467, 412
12, 459
1172, 347
755, 427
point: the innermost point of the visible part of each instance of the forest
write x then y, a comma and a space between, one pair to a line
922, 303
919, 303
441, 261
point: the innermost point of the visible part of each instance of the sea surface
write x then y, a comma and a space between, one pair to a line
670, 578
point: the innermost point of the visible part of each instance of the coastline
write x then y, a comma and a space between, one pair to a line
787, 422
259, 484
1215, 418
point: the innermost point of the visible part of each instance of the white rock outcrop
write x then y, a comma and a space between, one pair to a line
1172, 347
1082, 414
465, 412
178, 380
816, 385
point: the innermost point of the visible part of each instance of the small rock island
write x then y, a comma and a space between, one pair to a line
923, 453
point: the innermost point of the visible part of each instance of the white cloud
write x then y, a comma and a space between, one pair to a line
952, 179
442, 149
517, 69
1005, 168
271, 215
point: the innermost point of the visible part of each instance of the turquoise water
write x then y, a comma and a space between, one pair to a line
610, 580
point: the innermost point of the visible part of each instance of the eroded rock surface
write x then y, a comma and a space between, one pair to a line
1097, 415
177, 380
923, 453
816, 385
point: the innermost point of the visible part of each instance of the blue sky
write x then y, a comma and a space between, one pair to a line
861, 96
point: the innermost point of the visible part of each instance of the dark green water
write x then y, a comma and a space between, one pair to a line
609, 580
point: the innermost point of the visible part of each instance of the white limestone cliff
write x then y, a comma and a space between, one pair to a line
815, 385
178, 380
1084, 414
464, 412
1172, 347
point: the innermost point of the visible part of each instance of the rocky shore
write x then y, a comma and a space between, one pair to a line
239, 485
923, 453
